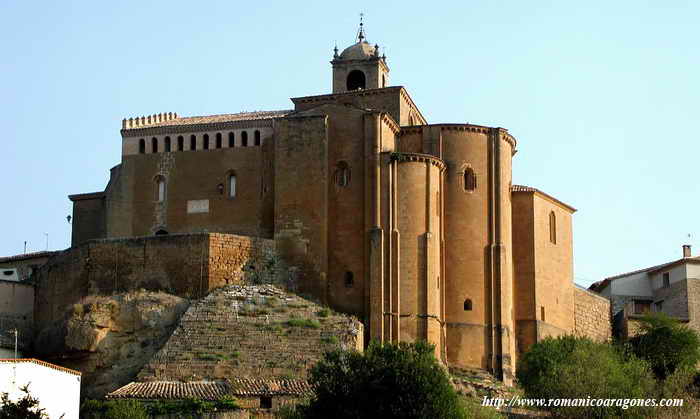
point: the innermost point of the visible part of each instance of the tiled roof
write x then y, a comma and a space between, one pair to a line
42, 363
597, 286
212, 119
523, 188
210, 390
24, 256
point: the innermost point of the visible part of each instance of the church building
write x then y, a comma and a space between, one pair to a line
414, 227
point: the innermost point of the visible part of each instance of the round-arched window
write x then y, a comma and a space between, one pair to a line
356, 80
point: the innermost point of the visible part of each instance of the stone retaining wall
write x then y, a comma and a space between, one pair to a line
592, 315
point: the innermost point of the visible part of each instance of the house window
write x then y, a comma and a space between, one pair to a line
256, 137
469, 179
659, 306
142, 146
552, 227
232, 185
180, 143
193, 142
468, 305
641, 307
666, 280
244, 139
218, 140
231, 142
349, 279
342, 174
167, 144
160, 189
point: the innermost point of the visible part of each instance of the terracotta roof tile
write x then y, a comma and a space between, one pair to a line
42, 363
26, 256
212, 119
210, 390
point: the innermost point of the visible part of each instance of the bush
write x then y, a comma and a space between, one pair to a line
113, 409
25, 408
386, 381
570, 367
666, 344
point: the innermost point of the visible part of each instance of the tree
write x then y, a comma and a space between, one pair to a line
666, 344
25, 408
386, 381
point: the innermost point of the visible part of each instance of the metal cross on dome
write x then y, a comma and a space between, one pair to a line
361, 31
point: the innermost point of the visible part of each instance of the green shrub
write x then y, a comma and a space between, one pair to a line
324, 312
666, 344
570, 367
308, 323
386, 381
113, 409
25, 408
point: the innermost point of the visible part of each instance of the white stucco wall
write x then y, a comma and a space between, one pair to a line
58, 391
676, 273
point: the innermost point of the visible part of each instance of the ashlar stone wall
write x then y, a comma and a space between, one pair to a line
592, 315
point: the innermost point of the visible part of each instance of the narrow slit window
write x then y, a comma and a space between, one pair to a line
205, 139
244, 139
193, 142
142, 146
552, 227
469, 180
180, 143
231, 140
167, 144
342, 174
232, 185
349, 279
154, 145
160, 189
218, 140
256, 137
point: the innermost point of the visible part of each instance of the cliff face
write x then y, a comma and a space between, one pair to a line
110, 338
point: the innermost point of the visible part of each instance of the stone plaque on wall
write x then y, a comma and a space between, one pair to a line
198, 206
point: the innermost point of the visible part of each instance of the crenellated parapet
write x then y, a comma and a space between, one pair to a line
145, 121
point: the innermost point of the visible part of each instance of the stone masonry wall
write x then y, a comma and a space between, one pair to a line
591, 315
186, 265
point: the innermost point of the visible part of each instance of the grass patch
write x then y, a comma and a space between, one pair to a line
323, 312
330, 340
307, 323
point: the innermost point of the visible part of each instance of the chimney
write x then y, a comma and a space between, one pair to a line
686, 250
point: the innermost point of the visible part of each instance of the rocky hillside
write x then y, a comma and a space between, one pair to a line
251, 331
110, 338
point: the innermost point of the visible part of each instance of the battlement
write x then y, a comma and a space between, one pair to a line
145, 121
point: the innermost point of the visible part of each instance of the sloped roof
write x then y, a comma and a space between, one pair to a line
211, 390
523, 188
42, 363
359, 51
25, 256
599, 285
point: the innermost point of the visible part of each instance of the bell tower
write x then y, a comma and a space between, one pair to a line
359, 66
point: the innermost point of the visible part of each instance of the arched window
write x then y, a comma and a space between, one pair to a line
349, 279
231, 185
167, 144
552, 227
159, 189
469, 179
205, 146
142, 146
383, 80
342, 174
193, 142
218, 140
244, 139
256, 136
154, 145
180, 143
467, 305
410, 120
231, 140
356, 80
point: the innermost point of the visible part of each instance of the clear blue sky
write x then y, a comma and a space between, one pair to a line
602, 97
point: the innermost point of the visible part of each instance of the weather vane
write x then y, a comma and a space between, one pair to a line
361, 31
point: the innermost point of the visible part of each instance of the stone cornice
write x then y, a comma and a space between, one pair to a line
418, 157
332, 96
407, 98
387, 119
461, 127
183, 129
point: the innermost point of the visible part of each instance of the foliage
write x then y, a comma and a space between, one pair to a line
475, 410
25, 408
308, 323
571, 367
666, 344
118, 409
324, 312
386, 381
